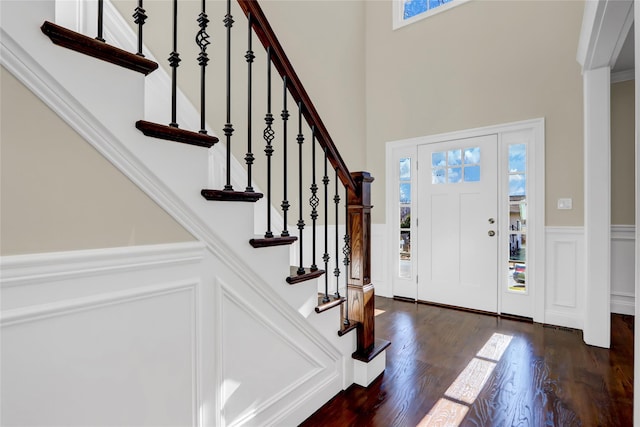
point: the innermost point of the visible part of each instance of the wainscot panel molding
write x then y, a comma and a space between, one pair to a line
564, 305
107, 335
623, 240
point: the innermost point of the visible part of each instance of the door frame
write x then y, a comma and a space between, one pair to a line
536, 196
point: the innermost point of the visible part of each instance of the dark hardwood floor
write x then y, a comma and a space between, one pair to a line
445, 368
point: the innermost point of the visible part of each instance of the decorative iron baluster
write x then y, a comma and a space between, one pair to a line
346, 250
249, 56
300, 140
202, 40
336, 270
325, 256
285, 117
139, 17
228, 127
174, 63
100, 19
268, 136
313, 201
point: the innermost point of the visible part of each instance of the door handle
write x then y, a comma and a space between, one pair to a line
492, 233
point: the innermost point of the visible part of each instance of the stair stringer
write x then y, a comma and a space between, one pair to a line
48, 71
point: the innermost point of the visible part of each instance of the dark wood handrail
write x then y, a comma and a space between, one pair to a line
279, 58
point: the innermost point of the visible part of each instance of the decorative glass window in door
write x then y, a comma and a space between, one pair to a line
517, 218
455, 166
405, 218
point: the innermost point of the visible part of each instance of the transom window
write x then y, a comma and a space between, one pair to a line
408, 11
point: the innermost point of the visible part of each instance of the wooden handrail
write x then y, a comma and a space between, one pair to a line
279, 58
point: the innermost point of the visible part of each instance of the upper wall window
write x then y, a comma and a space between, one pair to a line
407, 11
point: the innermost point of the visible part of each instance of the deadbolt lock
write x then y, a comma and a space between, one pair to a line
491, 220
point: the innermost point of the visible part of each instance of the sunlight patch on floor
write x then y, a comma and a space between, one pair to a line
451, 409
377, 311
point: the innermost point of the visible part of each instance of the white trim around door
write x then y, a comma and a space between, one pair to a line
403, 280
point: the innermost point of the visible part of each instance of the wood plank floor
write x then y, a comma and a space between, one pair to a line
447, 367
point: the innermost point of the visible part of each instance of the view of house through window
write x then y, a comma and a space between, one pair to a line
405, 218
517, 218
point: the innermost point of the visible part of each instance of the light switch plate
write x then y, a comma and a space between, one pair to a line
565, 203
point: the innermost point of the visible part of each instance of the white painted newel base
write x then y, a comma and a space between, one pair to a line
364, 373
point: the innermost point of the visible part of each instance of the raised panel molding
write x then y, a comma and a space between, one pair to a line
564, 305
275, 390
131, 340
31, 269
623, 238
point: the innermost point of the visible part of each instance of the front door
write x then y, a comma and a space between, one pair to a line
458, 201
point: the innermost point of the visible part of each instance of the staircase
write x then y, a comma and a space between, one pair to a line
196, 180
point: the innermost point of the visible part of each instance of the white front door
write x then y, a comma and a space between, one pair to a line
458, 205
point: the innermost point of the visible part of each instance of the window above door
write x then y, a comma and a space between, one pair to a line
406, 12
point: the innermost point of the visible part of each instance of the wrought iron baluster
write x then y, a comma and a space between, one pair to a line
346, 250
249, 56
268, 136
140, 17
228, 127
202, 40
285, 118
313, 201
300, 140
174, 63
336, 270
100, 20
325, 256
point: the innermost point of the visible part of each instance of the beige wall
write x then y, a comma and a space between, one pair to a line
58, 193
622, 153
479, 64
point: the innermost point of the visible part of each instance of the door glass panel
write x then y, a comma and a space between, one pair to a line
438, 176
405, 192
472, 156
438, 159
517, 157
517, 223
454, 157
405, 169
472, 174
455, 175
404, 253
517, 184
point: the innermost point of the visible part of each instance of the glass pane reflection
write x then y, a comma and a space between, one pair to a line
405, 169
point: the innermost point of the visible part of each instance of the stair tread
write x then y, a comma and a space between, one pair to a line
231, 196
97, 49
265, 242
308, 275
345, 329
369, 354
333, 302
176, 134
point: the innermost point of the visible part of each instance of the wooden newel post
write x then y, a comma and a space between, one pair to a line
360, 289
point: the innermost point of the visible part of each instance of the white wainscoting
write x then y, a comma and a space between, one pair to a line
104, 337
564, 279
623, 239
158, 335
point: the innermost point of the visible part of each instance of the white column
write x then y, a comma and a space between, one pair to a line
597, 219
